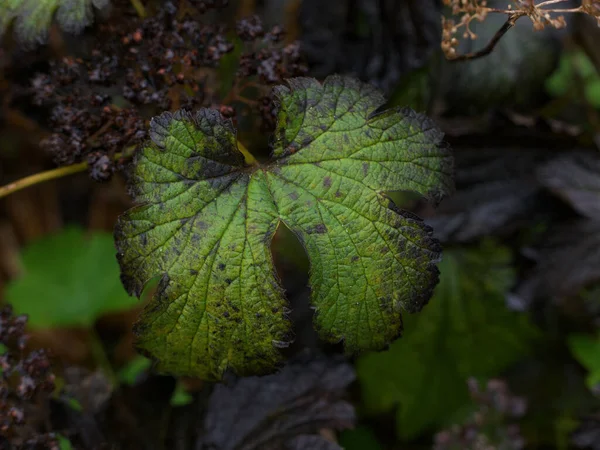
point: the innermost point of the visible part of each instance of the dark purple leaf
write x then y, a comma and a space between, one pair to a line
588, 434
575, 178
311, 442
277, 411
568, 261
497, 193
378, 41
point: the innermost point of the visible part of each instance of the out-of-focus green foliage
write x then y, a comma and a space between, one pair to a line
180, 396
575, 72
134, 368
70, 279
466, 330
586, 350
360, 438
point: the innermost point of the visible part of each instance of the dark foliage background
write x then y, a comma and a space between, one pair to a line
505, 356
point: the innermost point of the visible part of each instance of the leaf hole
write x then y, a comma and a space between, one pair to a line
292, 265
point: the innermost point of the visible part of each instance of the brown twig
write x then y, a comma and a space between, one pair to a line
464, 12
510, 22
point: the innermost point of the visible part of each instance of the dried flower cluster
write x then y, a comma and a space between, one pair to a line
487, 428
139, 68
27, 379
269, 62
541, 13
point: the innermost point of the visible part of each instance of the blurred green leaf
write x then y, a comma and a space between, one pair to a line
361, 438
586, 350
64, 443
70, 279
561, 80
466, 330
74, 404
413, 90
575, 68
180, 396
131, 372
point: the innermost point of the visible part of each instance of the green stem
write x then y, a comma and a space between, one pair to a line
248, 157
100, 356
47, 176
139, 8
60, 172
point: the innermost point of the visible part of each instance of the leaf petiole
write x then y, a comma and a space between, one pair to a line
48, 175
40, 178
139, 8
248, 157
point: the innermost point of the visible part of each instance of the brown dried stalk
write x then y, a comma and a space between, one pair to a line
542, 14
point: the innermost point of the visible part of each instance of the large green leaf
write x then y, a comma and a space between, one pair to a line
70, 279
465, 331
33, 17
204, 222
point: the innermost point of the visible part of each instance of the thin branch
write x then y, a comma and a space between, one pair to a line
47, 176
139, 8
550, 2
60, 172
40, 178
510, 22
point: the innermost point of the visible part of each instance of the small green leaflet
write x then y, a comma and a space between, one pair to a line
465, 331
33, 17
204, 222
586, 350
70, 279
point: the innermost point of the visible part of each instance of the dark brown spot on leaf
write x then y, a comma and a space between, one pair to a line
319, 228
327, 182
306, 141
365, 168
